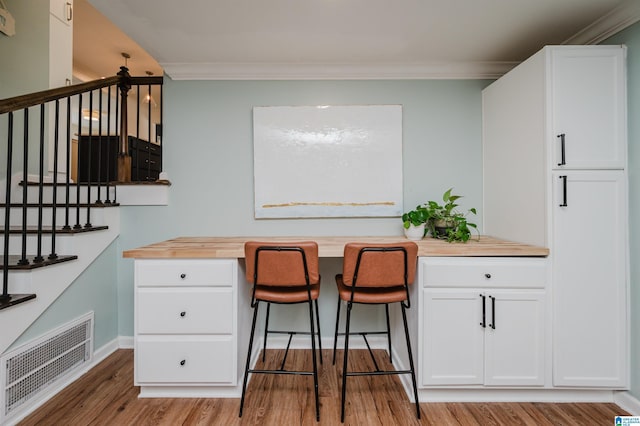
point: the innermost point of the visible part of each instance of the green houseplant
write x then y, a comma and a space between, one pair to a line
415, 222
446, 222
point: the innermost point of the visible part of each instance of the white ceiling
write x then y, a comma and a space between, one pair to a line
289, 39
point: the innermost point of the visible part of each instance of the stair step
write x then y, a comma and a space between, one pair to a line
72, 205
49, 229
14, 261
14, 299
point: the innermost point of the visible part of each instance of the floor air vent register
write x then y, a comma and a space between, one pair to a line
29, 370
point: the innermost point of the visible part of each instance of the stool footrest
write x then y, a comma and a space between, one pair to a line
300, 373
377, 373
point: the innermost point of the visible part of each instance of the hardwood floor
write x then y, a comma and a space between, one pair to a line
106, 396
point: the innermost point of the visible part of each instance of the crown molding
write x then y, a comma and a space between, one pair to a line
623, 16
344, 71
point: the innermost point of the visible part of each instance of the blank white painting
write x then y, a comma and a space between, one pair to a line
327, 161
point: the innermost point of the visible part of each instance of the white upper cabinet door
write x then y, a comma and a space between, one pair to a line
588, 104
62, 10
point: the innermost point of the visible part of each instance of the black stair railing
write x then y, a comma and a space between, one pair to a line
103, 156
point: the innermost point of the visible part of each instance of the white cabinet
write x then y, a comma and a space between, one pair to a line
483, 321
185, 322
60, 43
589, 276
554, 133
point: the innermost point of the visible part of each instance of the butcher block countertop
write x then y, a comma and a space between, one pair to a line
233, 247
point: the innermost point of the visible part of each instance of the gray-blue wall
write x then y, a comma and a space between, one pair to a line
208, 154
631, 38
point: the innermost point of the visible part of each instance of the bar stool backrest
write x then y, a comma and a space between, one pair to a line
286, 264
379, 264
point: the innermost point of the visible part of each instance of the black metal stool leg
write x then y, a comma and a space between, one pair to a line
315, 365
344, 365
335, 336
386, 309
266, 332
319, 333
246, 369
413, 371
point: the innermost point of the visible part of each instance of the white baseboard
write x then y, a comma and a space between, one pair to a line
627, 402
125, 342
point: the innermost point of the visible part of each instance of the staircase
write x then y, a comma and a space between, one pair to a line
52, 227
38, 283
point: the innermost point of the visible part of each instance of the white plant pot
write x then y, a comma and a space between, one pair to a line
414, 233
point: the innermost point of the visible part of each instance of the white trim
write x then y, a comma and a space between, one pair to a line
627, 402
516, 395
623, 16
125, 342
338, 71
143, 195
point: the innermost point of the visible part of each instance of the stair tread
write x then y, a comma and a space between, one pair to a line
48, 229
72, 205
14, 299
14, 260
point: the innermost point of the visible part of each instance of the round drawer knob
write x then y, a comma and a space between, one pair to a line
183, 276
183, 314
183, 362
487, 276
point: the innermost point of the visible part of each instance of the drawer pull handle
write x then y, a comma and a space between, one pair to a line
487, 276
183, 362
483, 324
183, 314
183, 276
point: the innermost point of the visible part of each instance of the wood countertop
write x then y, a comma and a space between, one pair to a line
233, 247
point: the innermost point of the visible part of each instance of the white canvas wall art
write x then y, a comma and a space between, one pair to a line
327, 161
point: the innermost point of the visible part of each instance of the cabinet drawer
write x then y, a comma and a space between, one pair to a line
185, 310
484, 272
192, 272
173, 360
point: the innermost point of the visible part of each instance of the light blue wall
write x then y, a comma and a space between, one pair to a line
208, 154
631, 38
94, 290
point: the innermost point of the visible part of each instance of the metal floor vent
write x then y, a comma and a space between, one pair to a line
36, 365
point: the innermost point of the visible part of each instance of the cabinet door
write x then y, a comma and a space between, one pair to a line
453, 337
588, 104
514, 340
590, 305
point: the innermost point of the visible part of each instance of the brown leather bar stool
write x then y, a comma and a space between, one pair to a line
283, 273
377, 274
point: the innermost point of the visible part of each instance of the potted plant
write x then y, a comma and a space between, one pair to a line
414, 222
446, 222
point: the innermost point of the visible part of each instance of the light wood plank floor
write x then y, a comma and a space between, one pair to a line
106, 396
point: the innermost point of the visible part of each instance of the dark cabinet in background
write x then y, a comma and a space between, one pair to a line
102, 154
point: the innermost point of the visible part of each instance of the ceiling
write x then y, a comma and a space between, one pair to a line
304, 39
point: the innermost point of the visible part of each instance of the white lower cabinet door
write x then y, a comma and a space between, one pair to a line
185, 360
453, 337
491, 337
514, 338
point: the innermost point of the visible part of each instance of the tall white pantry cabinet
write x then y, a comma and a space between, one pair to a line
554, 161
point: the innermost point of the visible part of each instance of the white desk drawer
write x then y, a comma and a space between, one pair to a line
508, 272
191, 272
184, 360
194, 310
